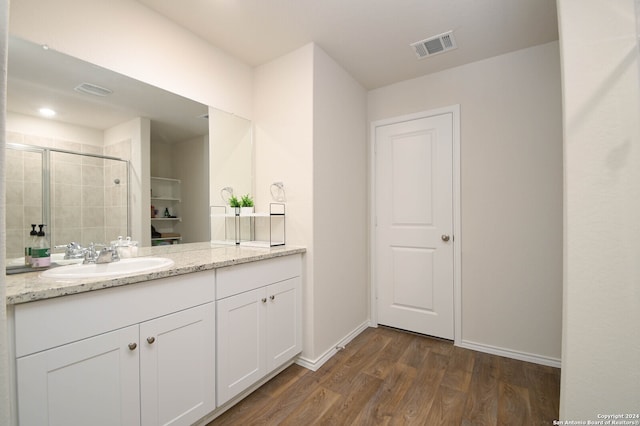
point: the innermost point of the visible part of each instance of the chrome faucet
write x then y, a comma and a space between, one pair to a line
106, 255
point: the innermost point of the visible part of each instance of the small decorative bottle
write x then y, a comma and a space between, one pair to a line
40, 254
31, 242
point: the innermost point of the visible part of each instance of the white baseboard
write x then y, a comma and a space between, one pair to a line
509, 353
315, 364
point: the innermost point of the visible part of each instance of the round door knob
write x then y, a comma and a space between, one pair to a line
151, 339
445, 238
133, 346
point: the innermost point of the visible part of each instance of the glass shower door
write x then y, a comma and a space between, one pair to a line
88, 198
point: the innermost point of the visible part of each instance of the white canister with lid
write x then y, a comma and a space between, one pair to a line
126, 248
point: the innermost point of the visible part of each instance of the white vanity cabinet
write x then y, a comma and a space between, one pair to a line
141, 354
258, 321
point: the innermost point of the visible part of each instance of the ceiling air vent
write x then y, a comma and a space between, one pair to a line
434, 45
92, 89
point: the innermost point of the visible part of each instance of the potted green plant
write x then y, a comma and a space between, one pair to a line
246, 205
234, 204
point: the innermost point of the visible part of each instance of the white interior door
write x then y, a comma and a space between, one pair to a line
414, 225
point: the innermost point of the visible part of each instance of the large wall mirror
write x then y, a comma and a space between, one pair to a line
118, 157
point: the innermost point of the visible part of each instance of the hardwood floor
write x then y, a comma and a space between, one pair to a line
390, 377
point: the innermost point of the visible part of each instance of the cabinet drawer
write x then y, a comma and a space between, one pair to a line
49, 323
237, 279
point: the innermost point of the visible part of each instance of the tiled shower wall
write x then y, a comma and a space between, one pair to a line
87, 205
23, 199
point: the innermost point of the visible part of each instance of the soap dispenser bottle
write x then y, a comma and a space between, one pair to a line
40, 254
31, 242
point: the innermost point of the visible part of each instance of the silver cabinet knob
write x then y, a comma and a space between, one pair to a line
133, 346
272, 297
445, 237
151, 339
264, 300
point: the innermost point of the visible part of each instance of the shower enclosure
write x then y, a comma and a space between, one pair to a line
79, 197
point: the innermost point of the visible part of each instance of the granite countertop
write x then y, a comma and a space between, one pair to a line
187, 258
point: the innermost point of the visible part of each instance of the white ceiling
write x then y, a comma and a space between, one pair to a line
369, 38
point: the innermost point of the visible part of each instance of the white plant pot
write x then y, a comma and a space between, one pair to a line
246, 211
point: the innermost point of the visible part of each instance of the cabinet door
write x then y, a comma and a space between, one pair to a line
284, 331
94, 381
241, 342
177, 367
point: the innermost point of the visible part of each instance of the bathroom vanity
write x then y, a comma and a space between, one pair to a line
174, 346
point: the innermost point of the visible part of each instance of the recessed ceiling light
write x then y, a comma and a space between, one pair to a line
47, 112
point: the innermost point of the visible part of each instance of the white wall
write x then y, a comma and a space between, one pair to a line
283, 138
136, 136
44, 131
340, 227
191, 166
160, 162
127, 37
310, 122
601, 332
511, 193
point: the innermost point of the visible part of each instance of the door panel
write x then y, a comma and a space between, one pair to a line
410, 152
177, 358
94, 381
241, 341
413, 277
414, 210
284, 332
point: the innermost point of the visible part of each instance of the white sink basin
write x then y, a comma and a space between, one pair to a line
131, 266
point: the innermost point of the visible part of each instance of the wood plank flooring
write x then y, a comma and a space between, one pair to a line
390, 377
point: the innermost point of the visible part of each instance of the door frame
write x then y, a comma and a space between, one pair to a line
454, 110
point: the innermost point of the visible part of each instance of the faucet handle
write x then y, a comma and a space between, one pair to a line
72, 250
115, 256
90, 254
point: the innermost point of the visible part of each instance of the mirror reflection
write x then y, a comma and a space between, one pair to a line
79, 197
156, 136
